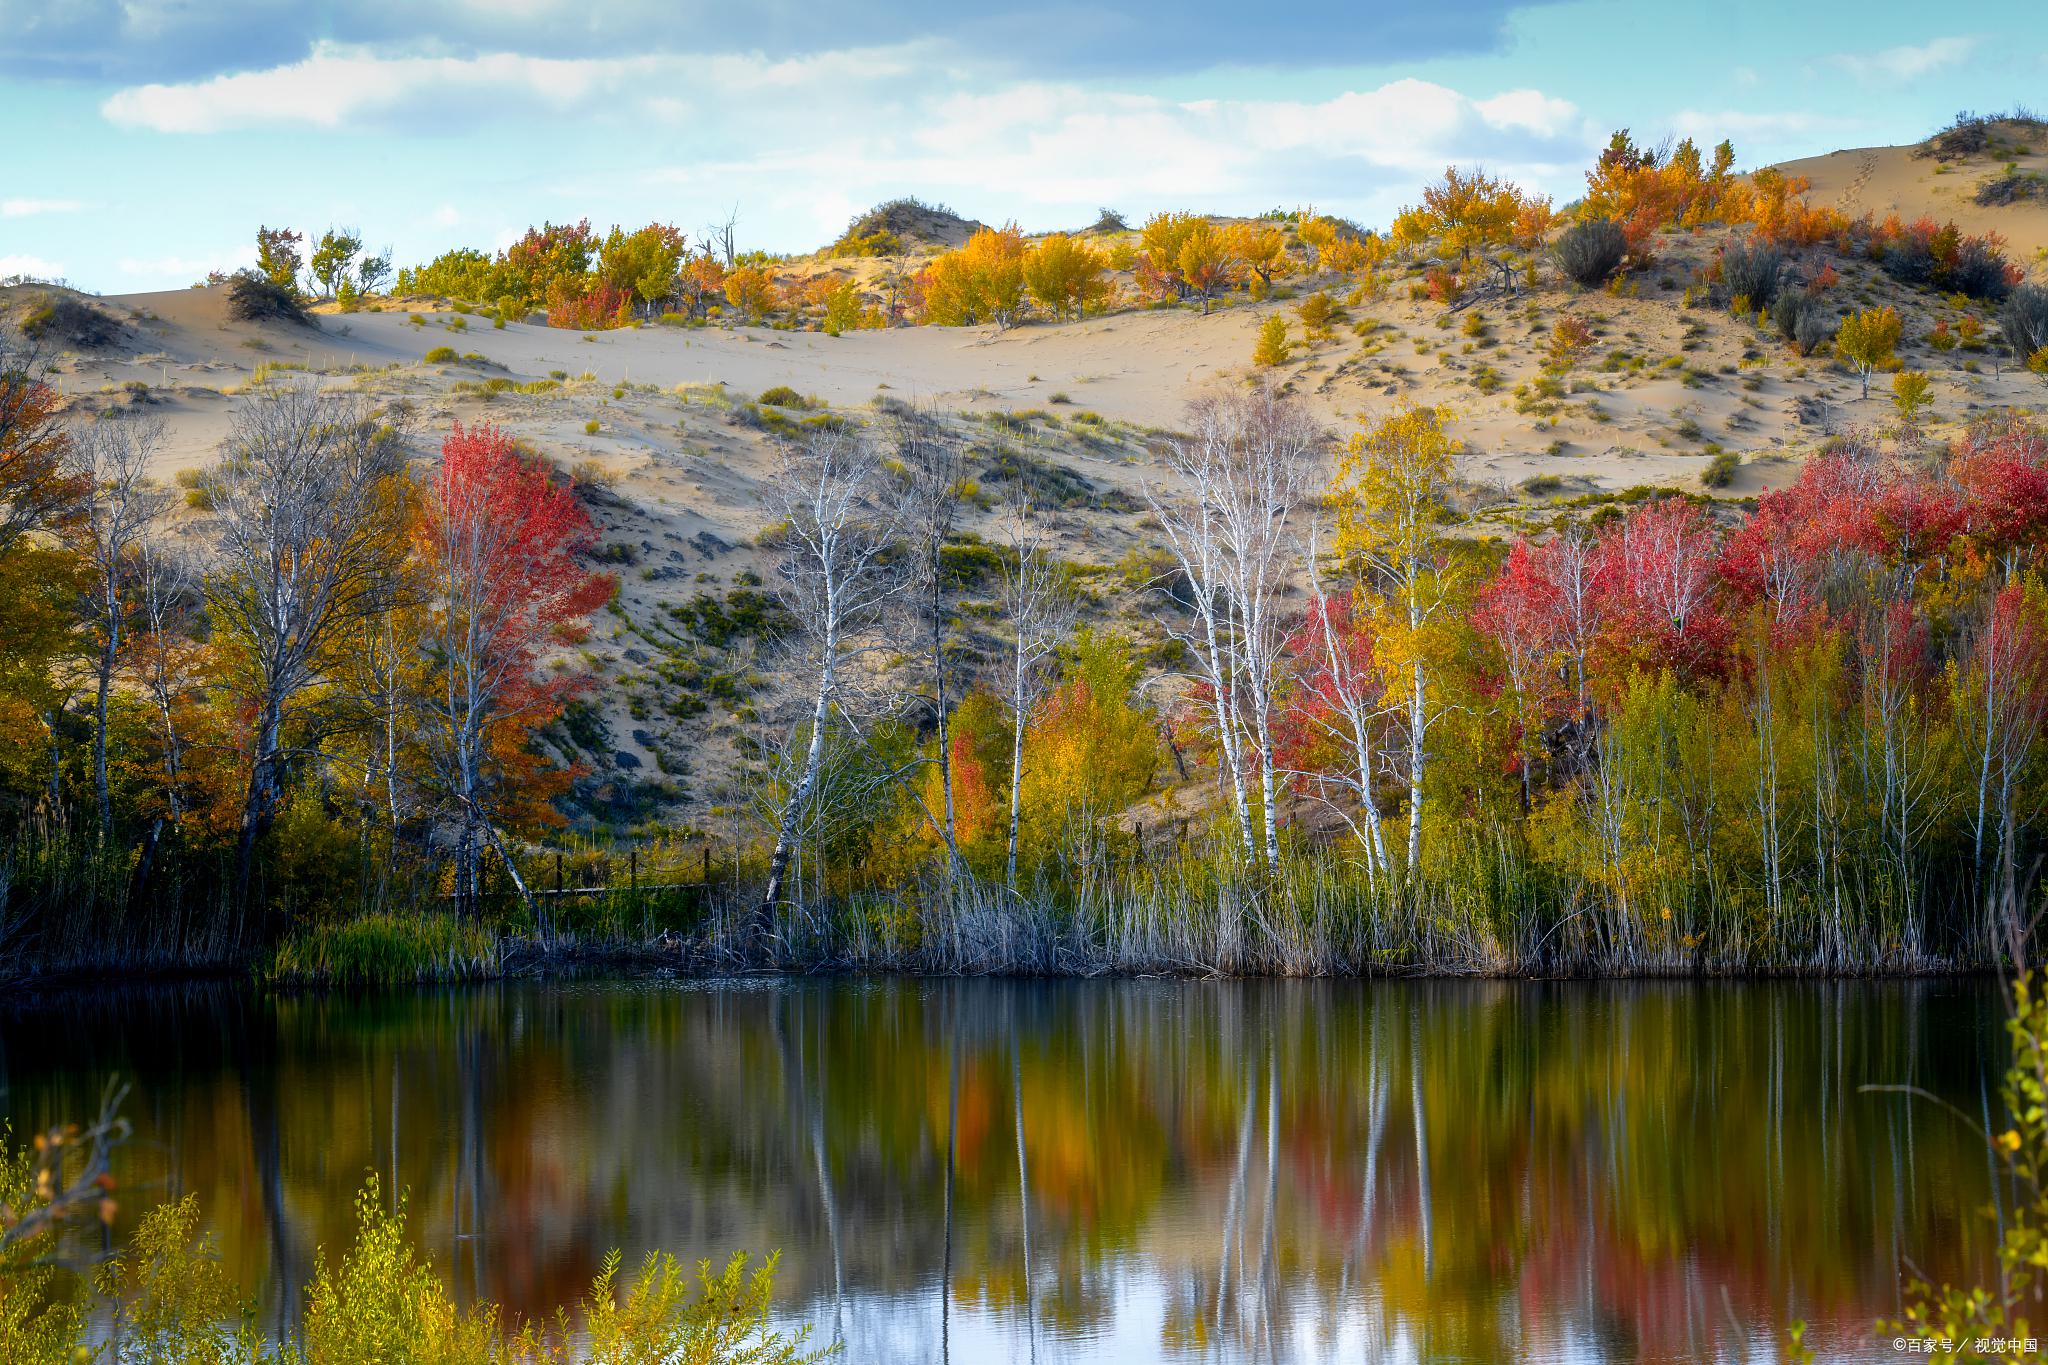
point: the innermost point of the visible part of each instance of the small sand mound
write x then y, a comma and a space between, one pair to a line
1989, 135
913, 223
51, 316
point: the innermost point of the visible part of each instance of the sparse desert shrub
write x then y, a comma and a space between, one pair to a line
1589, 251
1801, 319
1272, 347
441, 355
1316, 310
1542, 485
253, 297
783, 396
1751, 271
2023, 321
1979, 270
1720, 471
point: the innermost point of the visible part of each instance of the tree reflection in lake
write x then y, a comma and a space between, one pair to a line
985, 1170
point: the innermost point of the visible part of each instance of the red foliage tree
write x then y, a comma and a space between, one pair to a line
1522, 612
37, 491
2001, 468
500, 543
1654, 576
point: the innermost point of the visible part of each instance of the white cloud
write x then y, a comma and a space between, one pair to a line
1906, 63
1062, 147
801, 142
339, 86
34, 266
30, 208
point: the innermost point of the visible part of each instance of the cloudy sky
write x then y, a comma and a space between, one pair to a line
148, 138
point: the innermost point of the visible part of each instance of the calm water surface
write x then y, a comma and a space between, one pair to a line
1111, 1171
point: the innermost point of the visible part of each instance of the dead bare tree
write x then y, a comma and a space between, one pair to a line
1040, 600
838, 525
305, 520
110, 458
723, 238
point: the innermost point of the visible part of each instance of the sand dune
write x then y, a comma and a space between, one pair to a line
1911, 182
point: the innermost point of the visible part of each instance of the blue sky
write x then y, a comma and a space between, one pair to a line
152, 136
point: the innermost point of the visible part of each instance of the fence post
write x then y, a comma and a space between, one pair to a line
558, 874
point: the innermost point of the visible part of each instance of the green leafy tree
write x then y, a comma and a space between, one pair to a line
277, 256
333, 262
1867, 339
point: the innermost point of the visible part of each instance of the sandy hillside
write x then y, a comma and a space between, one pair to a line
676, 455
1940, 179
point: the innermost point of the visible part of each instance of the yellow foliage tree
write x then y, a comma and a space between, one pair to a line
1392, 497
1471, 210
1064, 275
1263, 249
1867, 340
981, 282
751, 291
1092, 746
1159, 248
1208, 262
842, 308
1272, 348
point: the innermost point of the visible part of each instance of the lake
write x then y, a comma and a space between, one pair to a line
1093, 1171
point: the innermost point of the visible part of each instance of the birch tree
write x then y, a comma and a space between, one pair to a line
1393, 499
1245, 470
1040, 601
110, 458
1339, 695
501, 543
931, 512
838, 523
303, 518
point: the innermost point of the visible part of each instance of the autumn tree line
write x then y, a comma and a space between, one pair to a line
1472, 234
1672, 736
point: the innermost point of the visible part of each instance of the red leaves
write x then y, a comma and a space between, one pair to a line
1655, 580
503, 541
2001, 469
36, 491
588, 304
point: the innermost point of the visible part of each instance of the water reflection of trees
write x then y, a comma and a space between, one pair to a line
1479, 1170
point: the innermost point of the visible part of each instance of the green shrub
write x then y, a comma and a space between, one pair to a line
2023, 321
1720, 471
1588, 252
1751, 271
782, 396
253, 297
441, 355
384, 950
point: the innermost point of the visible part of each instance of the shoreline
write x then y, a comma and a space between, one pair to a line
527, 960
